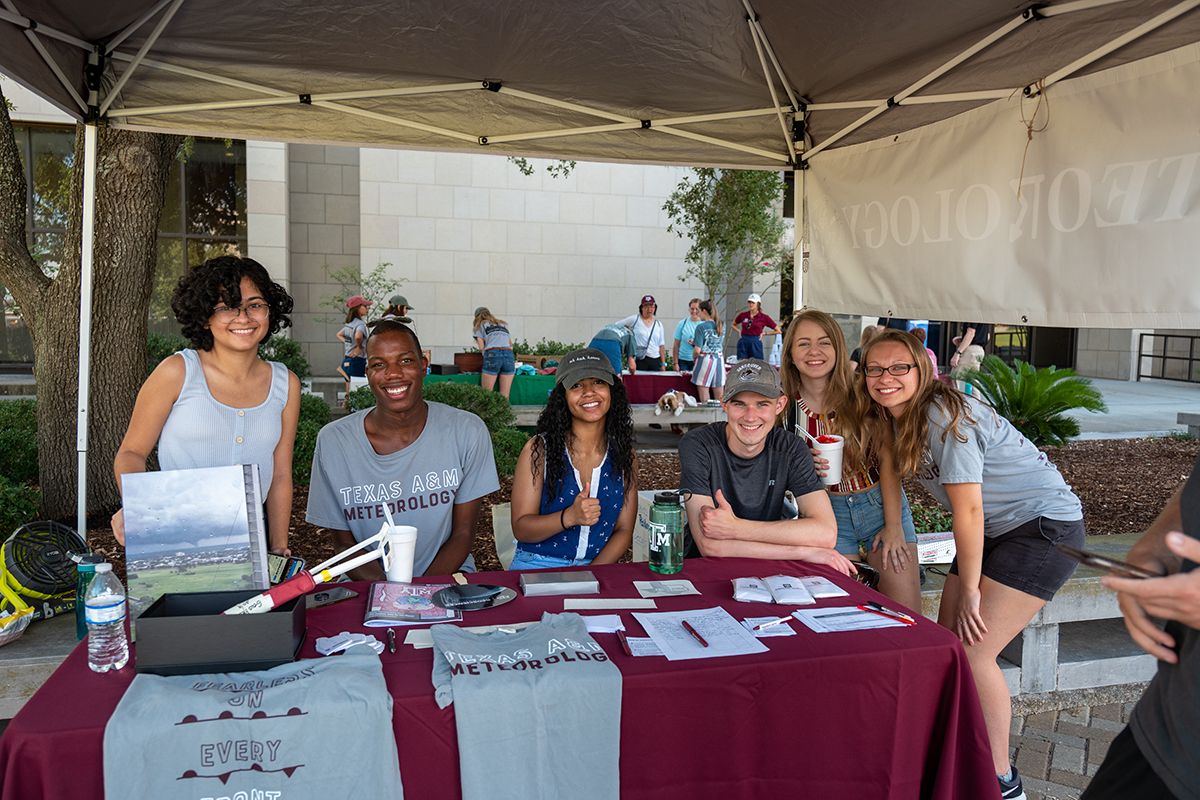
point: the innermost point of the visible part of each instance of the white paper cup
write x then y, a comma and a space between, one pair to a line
831, 452
402, 546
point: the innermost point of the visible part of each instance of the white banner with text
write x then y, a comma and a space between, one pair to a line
1094, 222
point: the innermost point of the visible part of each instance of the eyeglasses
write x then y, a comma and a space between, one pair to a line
894, 369
255, 309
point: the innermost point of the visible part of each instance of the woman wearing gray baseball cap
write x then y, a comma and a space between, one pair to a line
574, 493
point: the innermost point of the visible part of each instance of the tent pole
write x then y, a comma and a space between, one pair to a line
90, 135
139, 22
141, 53
762, 59
801, 242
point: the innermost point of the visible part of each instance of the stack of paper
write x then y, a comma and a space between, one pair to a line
724, 634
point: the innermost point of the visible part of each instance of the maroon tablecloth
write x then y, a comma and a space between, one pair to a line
889, 713
647, 387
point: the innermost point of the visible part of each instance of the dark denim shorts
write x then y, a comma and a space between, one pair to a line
499, 362
355, 367
1026, 559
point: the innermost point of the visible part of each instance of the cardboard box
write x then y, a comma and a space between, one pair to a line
186, 633
935, 548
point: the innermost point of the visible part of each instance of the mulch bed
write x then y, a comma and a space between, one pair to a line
1123, 484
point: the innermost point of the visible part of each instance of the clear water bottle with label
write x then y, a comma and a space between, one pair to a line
104, 610
666, 533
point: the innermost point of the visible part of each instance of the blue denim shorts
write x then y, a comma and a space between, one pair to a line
860, 518
499, 362
527, 560
355, 367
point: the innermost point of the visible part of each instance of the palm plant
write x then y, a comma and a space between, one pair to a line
1035, 401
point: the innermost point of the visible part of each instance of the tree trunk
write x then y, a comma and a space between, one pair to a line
131, 177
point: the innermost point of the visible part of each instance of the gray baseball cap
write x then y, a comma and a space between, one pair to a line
586, 363
752, 375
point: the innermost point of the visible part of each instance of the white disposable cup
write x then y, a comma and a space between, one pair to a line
831, 452
402, 546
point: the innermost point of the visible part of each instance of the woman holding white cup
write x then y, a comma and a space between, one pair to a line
854, 461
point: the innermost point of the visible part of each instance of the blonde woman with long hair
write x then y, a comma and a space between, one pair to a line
872, 512
1010, 508
495, 342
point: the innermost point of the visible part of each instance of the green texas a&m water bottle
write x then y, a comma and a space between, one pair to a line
666, 533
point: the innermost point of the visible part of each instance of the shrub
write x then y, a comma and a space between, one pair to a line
18, 441
161, 345
545, 347
288, 352
314, 408
931, 519
18, 504
1035, 401
490, 407
360, 398
302, 452
506, 446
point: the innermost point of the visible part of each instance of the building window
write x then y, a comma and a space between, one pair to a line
203, 216
47, 158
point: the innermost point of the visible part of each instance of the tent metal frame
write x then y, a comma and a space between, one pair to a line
796, 156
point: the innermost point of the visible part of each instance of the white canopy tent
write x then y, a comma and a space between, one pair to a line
765, 84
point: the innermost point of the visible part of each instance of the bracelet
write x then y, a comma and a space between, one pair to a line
562, 519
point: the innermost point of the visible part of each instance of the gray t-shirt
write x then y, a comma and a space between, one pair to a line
538, 711
349, 330
494, 336
450, 463
1166, 722
754, 487
307, 730
1019, 482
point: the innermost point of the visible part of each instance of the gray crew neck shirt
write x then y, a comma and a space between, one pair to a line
755, 487
450, 463
538, 711
1019, 482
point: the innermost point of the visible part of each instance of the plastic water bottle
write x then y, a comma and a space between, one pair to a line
105, 613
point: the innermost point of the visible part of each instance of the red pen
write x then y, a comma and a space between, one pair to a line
687, 626
624, 643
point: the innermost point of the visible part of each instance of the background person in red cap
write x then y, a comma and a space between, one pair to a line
649, 340
353, 336
753, 322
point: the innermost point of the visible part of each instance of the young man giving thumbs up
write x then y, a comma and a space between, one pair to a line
739, 472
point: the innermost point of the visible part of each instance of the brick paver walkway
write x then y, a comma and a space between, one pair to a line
1057, 752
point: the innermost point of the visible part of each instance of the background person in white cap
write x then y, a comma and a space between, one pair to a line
649, 339
739, 472
753, 323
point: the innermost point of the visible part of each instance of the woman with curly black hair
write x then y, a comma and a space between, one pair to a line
217, 403
574, 494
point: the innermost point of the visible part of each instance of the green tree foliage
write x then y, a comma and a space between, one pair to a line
732, 218
18, 441
376, 286
1036, 401
288, 352
19, 503
161, 345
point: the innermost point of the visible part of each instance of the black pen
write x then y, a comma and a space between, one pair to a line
391, 633
887, 612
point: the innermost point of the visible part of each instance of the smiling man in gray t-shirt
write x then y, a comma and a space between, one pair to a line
429, 463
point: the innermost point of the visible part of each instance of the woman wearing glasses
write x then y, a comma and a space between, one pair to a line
217, 403
1010, 507
872, 512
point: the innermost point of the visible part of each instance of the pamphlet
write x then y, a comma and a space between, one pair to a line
820, 587
665, 588
392, 603
844, 618
780, 589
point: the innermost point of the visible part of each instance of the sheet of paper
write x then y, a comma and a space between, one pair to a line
604, 623
664, 588
642, 646
843, 618
724, 634
820, 587
782, 629
584, 603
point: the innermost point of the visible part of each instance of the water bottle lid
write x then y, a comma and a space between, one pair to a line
669, 498
103, 568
